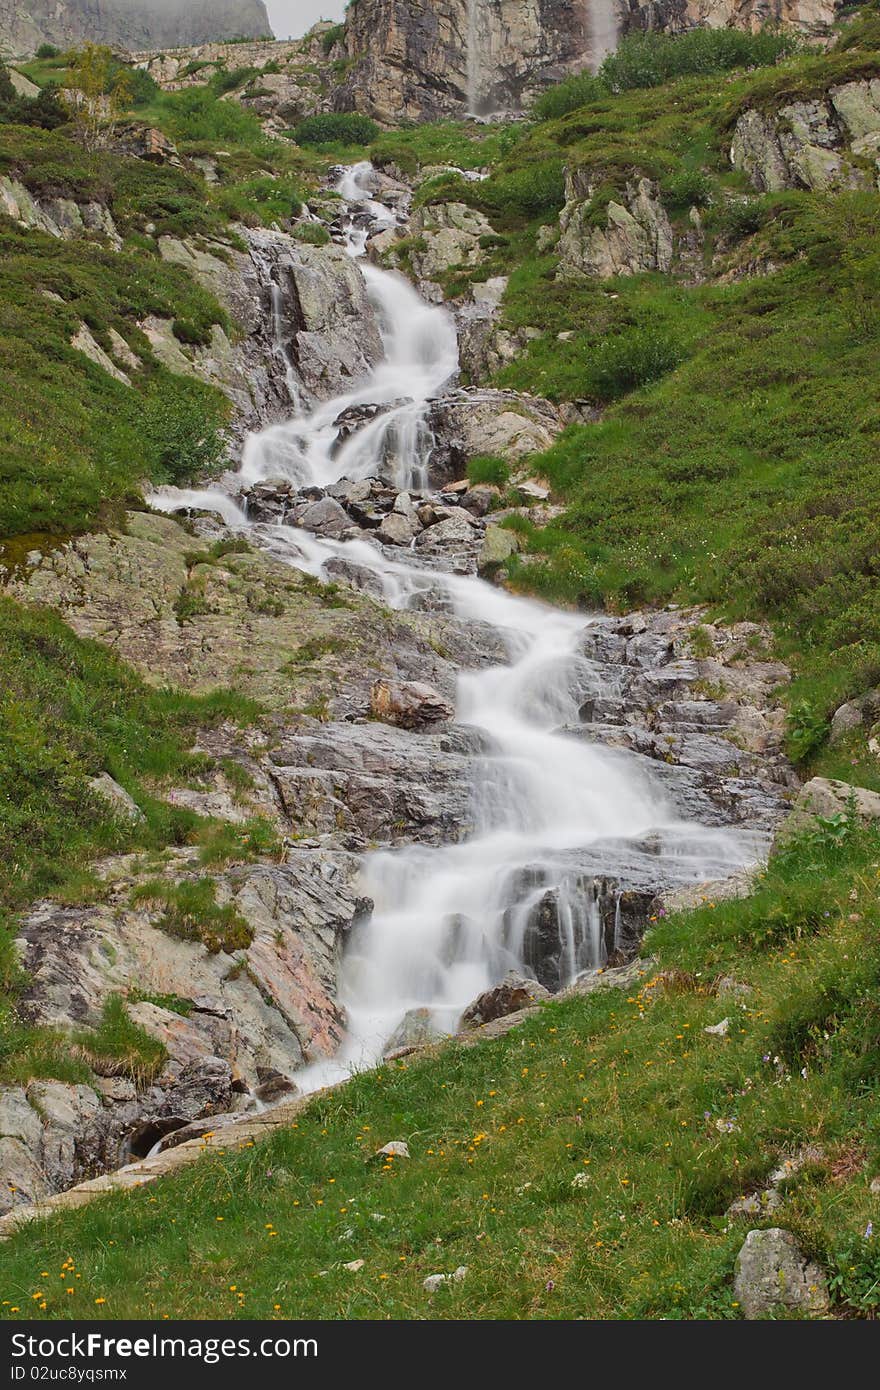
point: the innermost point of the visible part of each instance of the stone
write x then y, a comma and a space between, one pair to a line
83, 341
416, 1029
353, 1266
436, 1281
845, 719
397, 1148
325, 517
515, 992
409, 704
477, 422
123, 806
825, 797
772, 1272
719, 1030
395, 529
499, 543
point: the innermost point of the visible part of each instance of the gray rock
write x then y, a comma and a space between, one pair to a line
416, 1029
845, 719
123, 806
395, 529
637, 236
772, 1272
325, 517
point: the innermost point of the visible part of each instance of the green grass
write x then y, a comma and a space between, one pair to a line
69, 710
661, 1125
192, 913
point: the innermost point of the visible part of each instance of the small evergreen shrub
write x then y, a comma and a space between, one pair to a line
336, 128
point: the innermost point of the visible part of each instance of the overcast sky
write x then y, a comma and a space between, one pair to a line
291, 18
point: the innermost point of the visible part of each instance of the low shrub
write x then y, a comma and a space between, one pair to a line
336, 128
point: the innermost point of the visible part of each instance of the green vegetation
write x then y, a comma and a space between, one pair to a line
486, 468
73, 440
653, 59
191, 911
336, 128
69, 710
579, 1167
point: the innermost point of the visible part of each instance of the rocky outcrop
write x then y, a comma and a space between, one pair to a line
126, 23
831, 141
60, 217
772, 1273
426, 59
305, 323
473, 423
628, 236
182, 616
823, 798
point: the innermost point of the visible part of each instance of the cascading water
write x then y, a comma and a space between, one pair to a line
604, 30
547, 808
474, 64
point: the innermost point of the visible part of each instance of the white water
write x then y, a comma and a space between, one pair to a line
450, 920
420, 357
604, 30
474, 64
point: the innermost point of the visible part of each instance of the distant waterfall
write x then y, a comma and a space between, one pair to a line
473, 56
604, 30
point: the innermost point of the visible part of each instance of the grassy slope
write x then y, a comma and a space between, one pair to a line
69, 710
666, 1123
734, 462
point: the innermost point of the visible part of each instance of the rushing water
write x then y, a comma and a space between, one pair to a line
604, 30
450, 920
474, 63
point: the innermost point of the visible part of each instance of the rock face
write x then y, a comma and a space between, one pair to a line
811, 144
826, 798
307, 327
428, 59
412, 56
127, 23
635, 235
60, 217
772, 1272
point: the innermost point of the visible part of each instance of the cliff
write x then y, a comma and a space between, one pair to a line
427, 59
127, 23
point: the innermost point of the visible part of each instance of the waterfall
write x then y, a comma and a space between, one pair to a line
420, 358
473, 56
604, 30
548, 811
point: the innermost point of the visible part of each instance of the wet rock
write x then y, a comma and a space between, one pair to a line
513, 993
772, 1272
409, 704
416, 1029
325, 518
